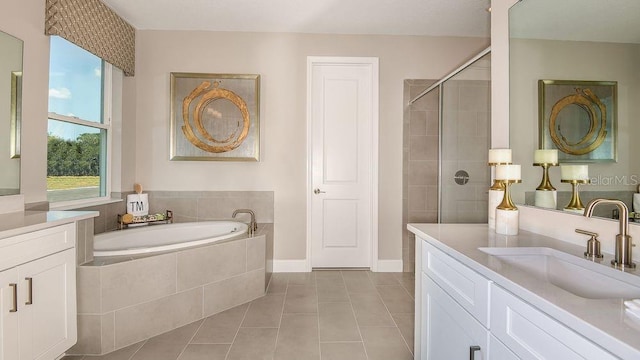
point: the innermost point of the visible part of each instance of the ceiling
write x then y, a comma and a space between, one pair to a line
380, 17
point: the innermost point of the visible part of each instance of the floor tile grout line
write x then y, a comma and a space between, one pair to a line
315, 280
141, 346
237, 331
284, 302
394, 321
366, 354
191, 338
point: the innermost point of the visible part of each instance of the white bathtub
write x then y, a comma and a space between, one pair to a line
160, 238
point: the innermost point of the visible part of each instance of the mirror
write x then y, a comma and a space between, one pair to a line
10, 113
575, 40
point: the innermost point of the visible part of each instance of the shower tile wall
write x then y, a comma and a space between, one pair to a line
465, 140
420, 164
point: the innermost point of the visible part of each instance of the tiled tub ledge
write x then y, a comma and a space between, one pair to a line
123, 302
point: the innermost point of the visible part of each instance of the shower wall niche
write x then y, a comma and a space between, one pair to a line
446, 141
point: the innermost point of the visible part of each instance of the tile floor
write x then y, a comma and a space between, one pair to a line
328, 315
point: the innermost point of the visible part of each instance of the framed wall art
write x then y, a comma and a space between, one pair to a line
215, 117
579, 118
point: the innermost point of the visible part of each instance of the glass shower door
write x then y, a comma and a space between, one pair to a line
464, 142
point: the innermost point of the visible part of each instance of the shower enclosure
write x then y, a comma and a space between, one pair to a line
446, 141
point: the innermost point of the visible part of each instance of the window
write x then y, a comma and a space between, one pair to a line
79, 124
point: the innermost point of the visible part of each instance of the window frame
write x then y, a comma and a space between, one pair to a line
106, 125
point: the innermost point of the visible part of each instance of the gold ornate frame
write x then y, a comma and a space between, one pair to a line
201, 102
579, 118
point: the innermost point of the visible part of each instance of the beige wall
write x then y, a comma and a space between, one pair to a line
532, 60
25, 20
280, 59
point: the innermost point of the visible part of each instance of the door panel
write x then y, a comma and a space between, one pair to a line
342, 104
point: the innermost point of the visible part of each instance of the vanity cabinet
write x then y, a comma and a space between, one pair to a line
461, 309
38, 294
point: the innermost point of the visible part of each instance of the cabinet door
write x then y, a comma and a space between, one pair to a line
448, 330
48, 306
9, 316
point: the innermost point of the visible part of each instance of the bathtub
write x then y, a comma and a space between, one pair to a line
168, 237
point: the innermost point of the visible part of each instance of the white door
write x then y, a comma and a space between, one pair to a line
343, 120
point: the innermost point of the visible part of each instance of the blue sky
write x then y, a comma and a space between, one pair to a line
75, 87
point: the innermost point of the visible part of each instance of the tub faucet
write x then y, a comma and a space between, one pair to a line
624, 243
253, 225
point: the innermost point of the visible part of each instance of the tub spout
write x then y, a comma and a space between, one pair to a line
253, 225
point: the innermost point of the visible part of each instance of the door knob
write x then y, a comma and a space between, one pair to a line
318, 191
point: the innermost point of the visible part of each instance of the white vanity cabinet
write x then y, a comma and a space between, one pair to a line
462, 310
38, 294
455, 305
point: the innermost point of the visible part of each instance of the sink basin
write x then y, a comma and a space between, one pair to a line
576, 275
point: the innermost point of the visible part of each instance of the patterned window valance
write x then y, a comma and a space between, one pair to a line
94, 27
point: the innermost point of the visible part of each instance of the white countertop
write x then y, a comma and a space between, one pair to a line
17, 223
602, 321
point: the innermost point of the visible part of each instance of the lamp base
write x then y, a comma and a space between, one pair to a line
495, 197
576, 211
507, 222
546, 199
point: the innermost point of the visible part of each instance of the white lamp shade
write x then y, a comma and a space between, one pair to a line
508, 172
574, 172
500, 156
545, 156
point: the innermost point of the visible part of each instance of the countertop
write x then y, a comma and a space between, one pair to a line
17, 223
602, 321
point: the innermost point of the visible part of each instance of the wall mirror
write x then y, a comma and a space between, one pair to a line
10, 113
575, 40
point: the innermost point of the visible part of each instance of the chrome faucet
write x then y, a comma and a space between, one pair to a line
253, 225
624, 243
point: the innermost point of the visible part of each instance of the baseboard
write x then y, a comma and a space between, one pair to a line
284, 266
389, 265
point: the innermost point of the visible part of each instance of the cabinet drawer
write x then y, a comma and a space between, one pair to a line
531, 334
448, 330
20, 249
467, 287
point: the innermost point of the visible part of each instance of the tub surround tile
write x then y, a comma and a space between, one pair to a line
108, 324
256, 253
203, 265
143, 321
80, 242
134, 282
88, 290
237, 290
89, 332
